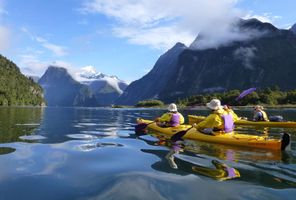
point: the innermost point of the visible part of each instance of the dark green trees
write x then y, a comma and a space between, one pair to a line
15, 88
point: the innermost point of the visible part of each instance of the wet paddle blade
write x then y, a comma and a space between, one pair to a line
140, 127
178, 136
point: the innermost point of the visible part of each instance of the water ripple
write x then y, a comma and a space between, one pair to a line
82, 136
93, 146
32, 137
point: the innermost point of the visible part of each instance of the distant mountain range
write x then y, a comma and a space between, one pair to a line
87, 88
261, 56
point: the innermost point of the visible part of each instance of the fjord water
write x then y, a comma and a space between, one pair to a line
93, 153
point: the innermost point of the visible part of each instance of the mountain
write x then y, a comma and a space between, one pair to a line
15, 88
62, 90
152, 84
106, 89
293, 29
34, 78
259, 55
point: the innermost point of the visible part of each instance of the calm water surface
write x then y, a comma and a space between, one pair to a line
88, 153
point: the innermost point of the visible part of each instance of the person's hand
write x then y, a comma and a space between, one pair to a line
156, 119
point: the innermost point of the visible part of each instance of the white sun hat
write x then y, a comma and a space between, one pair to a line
214, 104
172, 107
258, 107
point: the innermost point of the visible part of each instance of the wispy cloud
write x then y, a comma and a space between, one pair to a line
265, 17
31, 64
160, 24
57, 50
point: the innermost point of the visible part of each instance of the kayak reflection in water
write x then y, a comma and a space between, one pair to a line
218, 170
177, 147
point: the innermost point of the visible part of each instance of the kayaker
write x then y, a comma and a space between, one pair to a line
229, 110
260, 114
219, 120
172, 118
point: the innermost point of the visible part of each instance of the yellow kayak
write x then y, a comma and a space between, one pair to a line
289, 124
245, 140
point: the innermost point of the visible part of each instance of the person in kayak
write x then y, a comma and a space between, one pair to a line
260, 114
229, 110
172, 118
218, 121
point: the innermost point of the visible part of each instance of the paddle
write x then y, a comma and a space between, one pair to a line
140, 128
245, 93
178, 136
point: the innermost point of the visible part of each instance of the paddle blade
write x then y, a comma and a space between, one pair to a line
244, 93
140, 128
178, 136
286, 142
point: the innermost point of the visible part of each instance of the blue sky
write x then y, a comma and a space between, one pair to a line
117, 37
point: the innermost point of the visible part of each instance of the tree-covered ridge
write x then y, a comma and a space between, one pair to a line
15, 88
267, 96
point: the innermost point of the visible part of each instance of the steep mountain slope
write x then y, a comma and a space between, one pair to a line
16, 88
62, 90
293, 29
262, 62
151, 85
259, 56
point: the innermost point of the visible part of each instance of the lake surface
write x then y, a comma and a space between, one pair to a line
93, 153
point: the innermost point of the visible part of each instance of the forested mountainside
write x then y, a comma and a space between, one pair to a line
15, 88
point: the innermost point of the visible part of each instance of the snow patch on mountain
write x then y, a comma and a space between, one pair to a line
88, 75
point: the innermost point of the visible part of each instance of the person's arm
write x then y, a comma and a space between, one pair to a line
181, 118
165, 117
235, 117
208, 122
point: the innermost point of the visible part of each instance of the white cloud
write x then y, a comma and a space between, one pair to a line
266, 17
246, 55
31, 64
160, 24
158, 38
57, 50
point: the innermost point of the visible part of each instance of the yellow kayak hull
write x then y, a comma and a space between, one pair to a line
289, 124
245, 140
